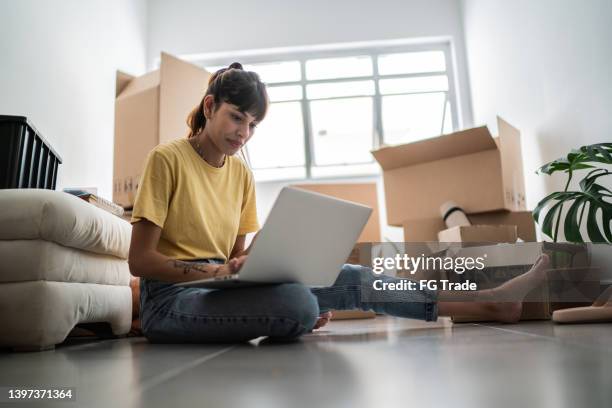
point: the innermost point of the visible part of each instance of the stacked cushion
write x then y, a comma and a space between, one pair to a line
63, 261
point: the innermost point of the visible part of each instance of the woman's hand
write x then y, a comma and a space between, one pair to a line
232, 267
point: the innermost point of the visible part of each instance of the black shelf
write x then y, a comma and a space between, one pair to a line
27, 160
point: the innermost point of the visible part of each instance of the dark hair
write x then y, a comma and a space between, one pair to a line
235, 86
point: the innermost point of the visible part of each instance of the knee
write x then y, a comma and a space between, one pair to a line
300, 305
351, 275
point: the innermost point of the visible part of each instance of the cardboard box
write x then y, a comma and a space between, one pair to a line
470, 167
426, 229
479, 233
149, 110
362, 193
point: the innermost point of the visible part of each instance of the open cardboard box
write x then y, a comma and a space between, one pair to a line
362, 193
427, 229
149, 110
470, 167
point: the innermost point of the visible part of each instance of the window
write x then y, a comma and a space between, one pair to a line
328, 110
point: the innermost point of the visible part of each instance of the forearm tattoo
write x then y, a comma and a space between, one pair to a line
192, 267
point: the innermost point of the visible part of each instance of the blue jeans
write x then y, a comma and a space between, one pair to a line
174, 314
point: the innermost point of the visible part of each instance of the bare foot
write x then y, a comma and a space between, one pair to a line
323, 320
517, 288
506, 312
506, 303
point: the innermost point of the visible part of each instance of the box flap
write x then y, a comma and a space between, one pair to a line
441, 147
137, 85
122, 81
182, 87
512, 165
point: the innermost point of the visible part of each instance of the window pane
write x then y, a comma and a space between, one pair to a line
274, 72
339, 89
327, 68
408, 118
279, 139
284, 93
342, 130
411, 62
416, 84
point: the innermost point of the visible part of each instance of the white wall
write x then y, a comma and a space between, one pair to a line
183, 27
58, 64
544, 66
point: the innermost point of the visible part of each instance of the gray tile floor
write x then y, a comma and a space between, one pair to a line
382, 362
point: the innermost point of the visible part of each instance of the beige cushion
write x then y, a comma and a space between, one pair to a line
62, 218
27, 260
42, 313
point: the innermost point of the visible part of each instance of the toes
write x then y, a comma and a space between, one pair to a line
543, 261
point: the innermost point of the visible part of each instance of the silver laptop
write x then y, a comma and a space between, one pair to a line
306, 238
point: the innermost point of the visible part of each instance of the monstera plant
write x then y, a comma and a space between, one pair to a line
590, 205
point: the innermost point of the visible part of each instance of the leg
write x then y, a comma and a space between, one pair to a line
354, 289
196, 315
503, 303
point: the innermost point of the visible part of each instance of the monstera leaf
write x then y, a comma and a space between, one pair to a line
580, 159
584, 205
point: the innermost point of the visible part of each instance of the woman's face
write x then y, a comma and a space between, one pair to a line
229, 129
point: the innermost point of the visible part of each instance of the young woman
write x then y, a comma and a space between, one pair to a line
194, 207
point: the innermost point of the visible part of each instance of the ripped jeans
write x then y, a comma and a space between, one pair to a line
285, 311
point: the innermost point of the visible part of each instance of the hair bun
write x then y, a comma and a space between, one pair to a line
235, 65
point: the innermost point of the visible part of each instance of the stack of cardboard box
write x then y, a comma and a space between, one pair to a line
482, 174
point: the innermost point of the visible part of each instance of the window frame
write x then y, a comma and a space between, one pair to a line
372, 50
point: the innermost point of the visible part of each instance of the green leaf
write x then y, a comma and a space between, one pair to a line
571, 226
599, 189
590, 179
542, 204
581, 166
548, 220
606, 219
604, 154
592, 228
600, 152
557, 165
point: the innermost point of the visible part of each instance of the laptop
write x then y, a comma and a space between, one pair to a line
306, 239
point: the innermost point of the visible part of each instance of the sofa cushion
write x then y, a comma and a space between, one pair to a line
42, 313
62, 218
28, 260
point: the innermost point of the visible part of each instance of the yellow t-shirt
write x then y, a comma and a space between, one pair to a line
200, 208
